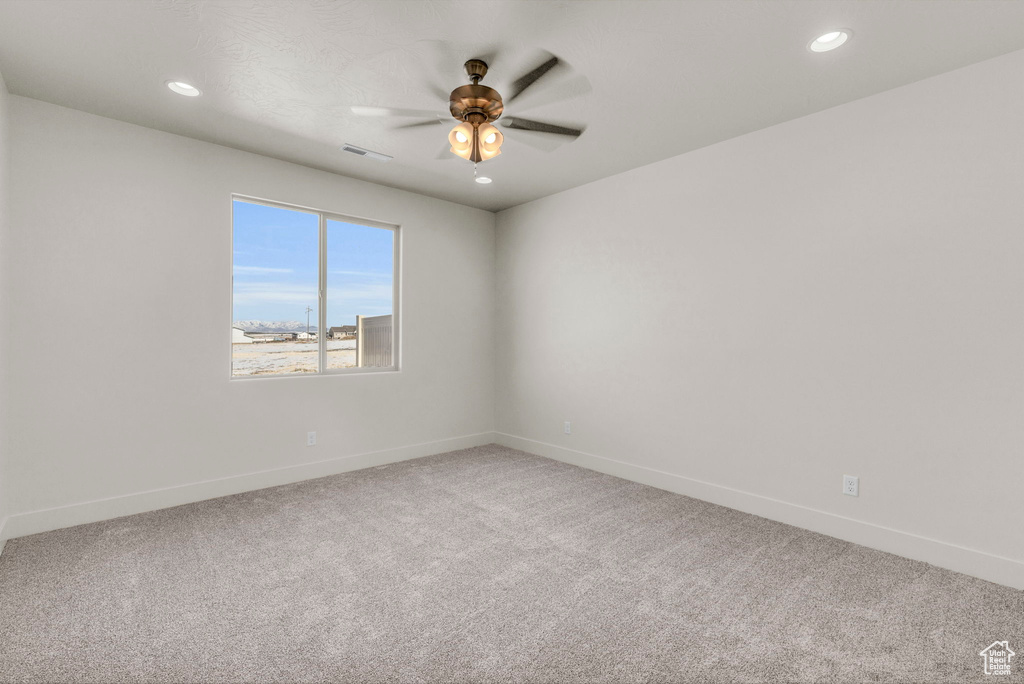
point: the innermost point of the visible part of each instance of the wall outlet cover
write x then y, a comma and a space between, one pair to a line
851, 485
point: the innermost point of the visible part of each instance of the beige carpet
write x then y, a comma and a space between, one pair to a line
482, 565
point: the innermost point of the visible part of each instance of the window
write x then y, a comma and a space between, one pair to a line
312, 292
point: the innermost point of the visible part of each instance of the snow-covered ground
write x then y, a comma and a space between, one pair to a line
273, 358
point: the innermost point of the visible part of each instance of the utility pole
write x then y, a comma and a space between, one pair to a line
308, 310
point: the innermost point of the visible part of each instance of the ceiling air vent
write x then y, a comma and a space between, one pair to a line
365, 153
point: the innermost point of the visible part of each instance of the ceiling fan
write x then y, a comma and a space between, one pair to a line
476, 107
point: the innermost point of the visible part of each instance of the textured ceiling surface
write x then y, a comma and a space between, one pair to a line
648, 80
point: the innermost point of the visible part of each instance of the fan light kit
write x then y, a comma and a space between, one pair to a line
186, 89
830, 40
476, 106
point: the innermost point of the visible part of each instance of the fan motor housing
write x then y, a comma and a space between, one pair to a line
475, 99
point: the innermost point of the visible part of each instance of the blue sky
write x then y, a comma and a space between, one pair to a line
275, 266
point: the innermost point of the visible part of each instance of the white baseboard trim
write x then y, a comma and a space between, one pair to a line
3, 535
48, 519
972, 562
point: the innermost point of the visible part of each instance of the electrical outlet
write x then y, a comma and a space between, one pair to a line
568, 428
311, 439
851, 485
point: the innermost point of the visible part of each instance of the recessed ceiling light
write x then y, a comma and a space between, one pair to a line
483, 180
186, 89
830, 40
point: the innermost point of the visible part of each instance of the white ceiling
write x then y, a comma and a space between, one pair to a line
649, 79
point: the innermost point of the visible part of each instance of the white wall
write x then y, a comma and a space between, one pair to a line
746, 323
4, 202
118, 228
843, 293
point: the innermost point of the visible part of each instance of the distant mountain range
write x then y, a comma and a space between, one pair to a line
273, 326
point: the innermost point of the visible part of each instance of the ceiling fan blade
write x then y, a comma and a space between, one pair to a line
542, 143
565, 89
418, 124
445, 153
440, 93
540, 127
531, 77
360, 110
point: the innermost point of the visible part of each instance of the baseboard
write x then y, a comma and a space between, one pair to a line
48, 519
972, 562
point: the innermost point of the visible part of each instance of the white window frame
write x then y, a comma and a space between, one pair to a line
321, 335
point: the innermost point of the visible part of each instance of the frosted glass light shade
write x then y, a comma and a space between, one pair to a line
462, 148
470, 142
490, 141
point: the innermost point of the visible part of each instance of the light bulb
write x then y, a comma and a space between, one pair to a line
490, 142
461, 140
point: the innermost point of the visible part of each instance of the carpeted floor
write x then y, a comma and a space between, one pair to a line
482, 565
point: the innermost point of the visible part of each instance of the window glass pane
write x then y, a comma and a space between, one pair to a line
275, 284
360, 296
